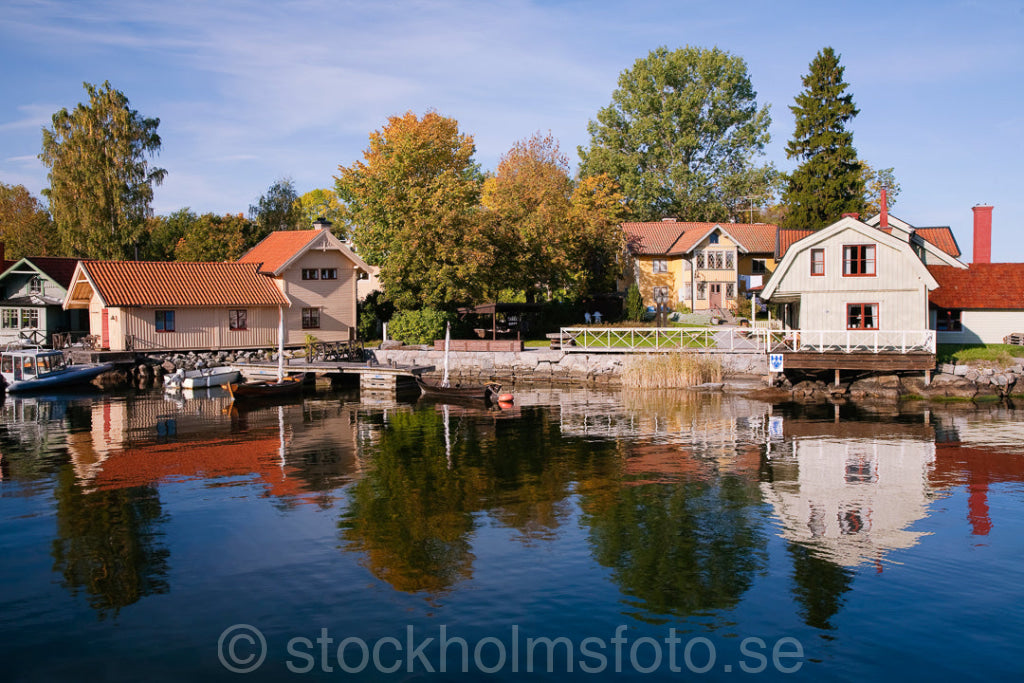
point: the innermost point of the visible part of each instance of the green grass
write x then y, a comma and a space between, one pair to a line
1000, 354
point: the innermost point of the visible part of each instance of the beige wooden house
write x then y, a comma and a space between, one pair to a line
308, 277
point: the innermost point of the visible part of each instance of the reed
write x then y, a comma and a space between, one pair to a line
671, 370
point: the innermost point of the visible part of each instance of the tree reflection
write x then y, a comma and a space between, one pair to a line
108, 543
818, 587
414, 511
681, 548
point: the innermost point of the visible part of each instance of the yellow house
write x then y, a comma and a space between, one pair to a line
704, 266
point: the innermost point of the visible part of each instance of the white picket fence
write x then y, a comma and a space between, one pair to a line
742, 340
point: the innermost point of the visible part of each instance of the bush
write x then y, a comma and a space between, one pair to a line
421, 326
373, 311
743, 306
634, 304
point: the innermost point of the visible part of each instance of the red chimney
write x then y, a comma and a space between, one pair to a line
982, 234
883, 221
854, 215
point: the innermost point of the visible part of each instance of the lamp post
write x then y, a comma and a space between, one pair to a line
660, 301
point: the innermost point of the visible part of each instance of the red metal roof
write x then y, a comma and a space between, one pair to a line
182, 284
278, 248
678, 237
60, 269
981, 285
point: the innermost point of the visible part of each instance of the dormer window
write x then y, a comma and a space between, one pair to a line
35, 286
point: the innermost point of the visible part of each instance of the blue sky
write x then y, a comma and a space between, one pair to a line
248, 92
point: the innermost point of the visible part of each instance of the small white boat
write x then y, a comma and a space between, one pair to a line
201, 378
34, 369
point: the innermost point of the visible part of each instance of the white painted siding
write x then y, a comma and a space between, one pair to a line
896, 287
983, 327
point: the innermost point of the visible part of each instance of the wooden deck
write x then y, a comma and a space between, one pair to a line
387, 379
882, 361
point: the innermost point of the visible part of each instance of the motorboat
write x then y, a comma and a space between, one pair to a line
34, 368
201, 378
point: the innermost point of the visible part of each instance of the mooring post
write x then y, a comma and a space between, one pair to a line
837, 377
927, 377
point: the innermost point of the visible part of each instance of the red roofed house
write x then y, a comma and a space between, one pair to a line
982, 304
704, 266
143, 306
319, 275
857, 278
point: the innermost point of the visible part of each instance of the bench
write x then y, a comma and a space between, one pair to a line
1017, 339
558, 340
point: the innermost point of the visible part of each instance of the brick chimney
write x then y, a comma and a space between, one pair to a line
982, 234
883, 219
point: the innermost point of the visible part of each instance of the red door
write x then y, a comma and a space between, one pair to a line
105, 334
715, 299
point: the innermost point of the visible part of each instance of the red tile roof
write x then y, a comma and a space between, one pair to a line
787, 237
278, 248
981, 285
182, 284
942, 238
679, 237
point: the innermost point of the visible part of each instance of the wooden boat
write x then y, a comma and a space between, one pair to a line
288, 386
34, 369
201, 378
484, 392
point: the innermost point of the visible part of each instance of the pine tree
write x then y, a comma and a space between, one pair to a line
828, 182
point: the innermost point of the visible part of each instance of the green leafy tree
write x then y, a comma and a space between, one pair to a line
680, 136
324, 204
874, 183
414, 199
595, 241
214, 238
278, 209
420, 326
25, 225
374, 310
101, 185
829, 180
164, 233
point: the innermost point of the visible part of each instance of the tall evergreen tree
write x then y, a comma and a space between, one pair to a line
829, 180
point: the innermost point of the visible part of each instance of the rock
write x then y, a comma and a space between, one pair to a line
999, 380
168, 366
391, 344
961, 370
971, 375
947, 368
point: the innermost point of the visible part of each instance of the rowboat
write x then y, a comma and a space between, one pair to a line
287, 386
34, 369
474, 392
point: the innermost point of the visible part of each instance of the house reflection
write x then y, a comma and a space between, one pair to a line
297, 452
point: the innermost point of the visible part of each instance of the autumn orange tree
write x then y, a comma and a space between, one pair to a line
413, 200
213, 238
553, 234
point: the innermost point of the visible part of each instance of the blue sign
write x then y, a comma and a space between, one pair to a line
775, 362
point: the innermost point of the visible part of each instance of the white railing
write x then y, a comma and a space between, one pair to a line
742, 340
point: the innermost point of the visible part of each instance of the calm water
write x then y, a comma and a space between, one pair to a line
688, 536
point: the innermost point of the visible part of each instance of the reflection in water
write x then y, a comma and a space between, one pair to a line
109, 544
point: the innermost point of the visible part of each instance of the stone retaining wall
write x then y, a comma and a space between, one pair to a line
541, 366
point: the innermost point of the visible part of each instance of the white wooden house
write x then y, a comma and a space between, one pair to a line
854, 279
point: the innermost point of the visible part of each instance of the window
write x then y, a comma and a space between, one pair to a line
328, 273
311, 318
700, 260
165, 321
730, 260
948, 321
817, 262
237, 319
730, 291
713, 238
758, 266
702, 291
858, 260
35, 286
10, 319
310, 273
862, 316
30, 318
659, 266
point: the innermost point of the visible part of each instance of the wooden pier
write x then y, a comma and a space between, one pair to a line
383, 379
